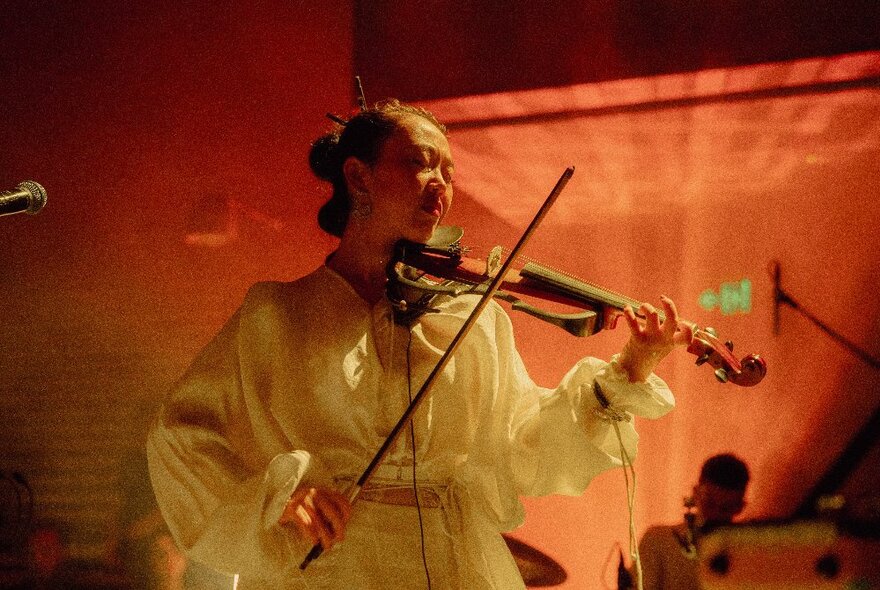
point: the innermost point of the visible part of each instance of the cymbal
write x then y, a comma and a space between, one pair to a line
537, 568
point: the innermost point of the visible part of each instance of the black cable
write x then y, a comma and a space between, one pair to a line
23, 482
412, 433
19, 505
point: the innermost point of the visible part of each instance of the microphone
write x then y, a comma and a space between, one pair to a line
624, 578
779, 296
689, 538
28, 196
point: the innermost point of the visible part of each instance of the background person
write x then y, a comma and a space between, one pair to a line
669, 553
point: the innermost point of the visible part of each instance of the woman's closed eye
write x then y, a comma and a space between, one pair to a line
447, 174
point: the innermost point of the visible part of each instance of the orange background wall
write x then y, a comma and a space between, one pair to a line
131, 117
677, 199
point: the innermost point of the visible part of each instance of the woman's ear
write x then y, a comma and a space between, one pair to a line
357, 175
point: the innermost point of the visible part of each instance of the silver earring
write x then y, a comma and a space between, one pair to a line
361, 207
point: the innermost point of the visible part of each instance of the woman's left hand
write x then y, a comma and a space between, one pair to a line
650, 340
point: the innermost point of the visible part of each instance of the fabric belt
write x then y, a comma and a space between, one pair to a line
428, 497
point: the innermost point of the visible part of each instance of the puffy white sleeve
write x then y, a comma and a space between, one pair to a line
561, 437
220, 503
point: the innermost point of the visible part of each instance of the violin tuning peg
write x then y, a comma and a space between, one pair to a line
702, 358
721, 375
710, 331
729, 345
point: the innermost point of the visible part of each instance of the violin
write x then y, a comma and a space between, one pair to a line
419, 272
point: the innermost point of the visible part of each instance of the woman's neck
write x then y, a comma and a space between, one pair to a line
363, 266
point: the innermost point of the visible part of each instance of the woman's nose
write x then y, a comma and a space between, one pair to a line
439, 183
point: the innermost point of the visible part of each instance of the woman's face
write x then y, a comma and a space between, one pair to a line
410, 185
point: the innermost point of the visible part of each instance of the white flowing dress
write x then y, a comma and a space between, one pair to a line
301, 387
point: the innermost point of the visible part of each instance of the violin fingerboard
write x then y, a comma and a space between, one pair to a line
572, 286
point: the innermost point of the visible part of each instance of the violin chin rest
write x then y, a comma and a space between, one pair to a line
445, 235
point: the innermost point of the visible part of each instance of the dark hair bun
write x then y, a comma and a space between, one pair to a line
323, 157
332, 216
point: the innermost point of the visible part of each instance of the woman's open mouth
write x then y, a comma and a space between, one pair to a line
433, 206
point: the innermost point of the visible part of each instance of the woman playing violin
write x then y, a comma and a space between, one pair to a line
256, 444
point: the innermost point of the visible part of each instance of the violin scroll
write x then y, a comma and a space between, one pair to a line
706, 346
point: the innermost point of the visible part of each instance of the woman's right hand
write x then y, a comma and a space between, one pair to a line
319, 514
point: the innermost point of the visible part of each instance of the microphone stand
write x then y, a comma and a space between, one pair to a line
780, 297
494, 285
687, 540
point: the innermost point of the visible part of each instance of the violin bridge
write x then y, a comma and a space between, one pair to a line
493, 261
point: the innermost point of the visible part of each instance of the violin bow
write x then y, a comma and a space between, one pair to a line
392, 437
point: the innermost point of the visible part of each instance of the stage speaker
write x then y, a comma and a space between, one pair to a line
788, 556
